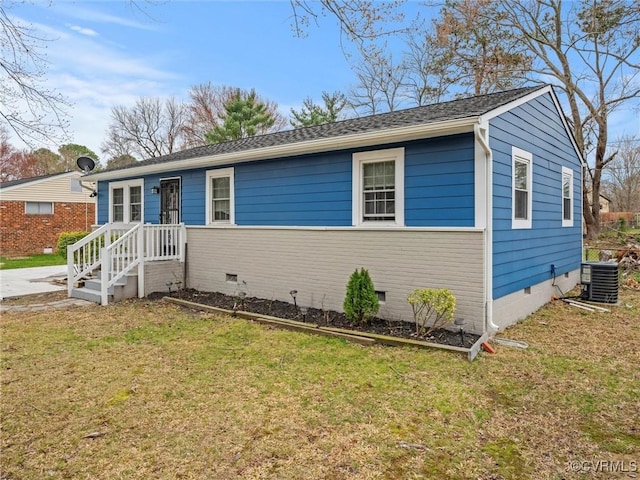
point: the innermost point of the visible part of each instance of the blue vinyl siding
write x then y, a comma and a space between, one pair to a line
439, 182
522, 258
315, 190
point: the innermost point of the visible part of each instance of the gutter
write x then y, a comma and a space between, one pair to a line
480, 129
357, 140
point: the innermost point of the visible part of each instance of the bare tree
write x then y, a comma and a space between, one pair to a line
589, 51
624, 176
35, 113
380, 86
426, 61
475, 51
151, 128
16, 164
359, 20
206, 109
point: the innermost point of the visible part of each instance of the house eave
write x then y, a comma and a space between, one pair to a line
377, 137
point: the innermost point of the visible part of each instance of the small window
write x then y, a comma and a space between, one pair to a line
118, 205
126, 201
378, 187
75, 186
220, 194
522, 187
135, 204
38, 208
382, 296
567, 197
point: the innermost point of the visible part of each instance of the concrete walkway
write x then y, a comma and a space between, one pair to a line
39, 307
19, 282
25, 282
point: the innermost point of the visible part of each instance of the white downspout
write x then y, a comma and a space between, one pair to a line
480, 130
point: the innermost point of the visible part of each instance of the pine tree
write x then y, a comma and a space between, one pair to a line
245, 116
312, 114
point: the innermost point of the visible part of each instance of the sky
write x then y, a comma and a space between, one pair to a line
103, 54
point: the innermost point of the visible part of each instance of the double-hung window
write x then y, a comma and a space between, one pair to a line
567, 197
38, 208
378, 187
522, 162
220, 196
126, 202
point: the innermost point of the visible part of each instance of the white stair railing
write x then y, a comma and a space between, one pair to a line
116, 249
119, 258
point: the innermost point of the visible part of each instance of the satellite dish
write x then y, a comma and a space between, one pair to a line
86, 164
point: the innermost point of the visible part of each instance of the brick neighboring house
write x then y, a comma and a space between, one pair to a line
34, 211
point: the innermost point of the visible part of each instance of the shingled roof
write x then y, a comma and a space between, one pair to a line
428, 114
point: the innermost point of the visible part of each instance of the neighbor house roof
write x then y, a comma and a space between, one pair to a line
450, 117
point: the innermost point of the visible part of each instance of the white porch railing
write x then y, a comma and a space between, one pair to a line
116, 249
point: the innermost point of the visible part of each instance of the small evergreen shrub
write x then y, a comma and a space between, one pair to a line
433, 307
361, 302
68, 238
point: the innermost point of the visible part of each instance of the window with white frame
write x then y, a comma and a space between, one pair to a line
522, 162
378, 187
567, 197
220, 196
126, 202
38, 208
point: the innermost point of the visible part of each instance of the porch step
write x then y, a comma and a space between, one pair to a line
88, 294
126, 287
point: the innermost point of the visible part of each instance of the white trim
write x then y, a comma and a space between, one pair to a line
374, 156
518, 154
569, 222
218, 173
537, 93
480, 165
482, 139
331, 229
358, 140
126, 185
515, 103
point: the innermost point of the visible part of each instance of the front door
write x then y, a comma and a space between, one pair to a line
170, 201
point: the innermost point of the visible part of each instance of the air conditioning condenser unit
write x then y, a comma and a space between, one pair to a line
599, 282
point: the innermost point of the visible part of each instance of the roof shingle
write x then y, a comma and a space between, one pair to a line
437, 112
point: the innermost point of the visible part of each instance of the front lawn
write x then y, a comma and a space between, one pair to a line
43, 260
145, 389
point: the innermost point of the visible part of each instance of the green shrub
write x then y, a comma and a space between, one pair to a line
68, 238
361, 302
433, 307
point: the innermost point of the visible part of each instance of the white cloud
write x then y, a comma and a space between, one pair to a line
73, 10
84, 31
94, 74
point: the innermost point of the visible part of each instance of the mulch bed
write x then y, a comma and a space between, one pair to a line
322, 318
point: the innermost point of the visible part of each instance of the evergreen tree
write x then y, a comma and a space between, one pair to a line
361, 301
244, 116
312, 114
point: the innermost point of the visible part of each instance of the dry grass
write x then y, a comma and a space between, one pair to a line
149, 390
